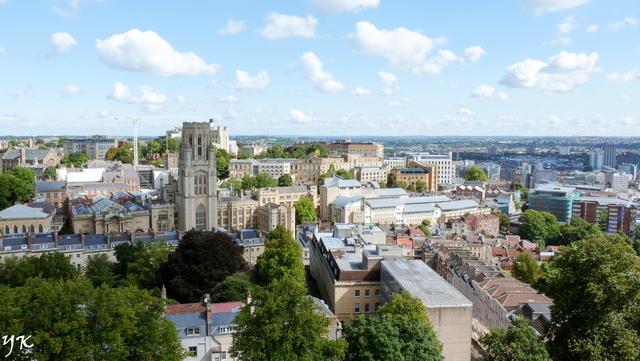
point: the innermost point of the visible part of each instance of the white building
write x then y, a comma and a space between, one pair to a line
446, 171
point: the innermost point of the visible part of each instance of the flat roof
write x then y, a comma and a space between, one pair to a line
424, 283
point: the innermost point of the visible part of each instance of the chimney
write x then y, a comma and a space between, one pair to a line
23, 155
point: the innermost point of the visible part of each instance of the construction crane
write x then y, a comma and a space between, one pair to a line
135, 141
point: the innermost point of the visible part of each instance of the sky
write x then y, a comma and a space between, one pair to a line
321, 67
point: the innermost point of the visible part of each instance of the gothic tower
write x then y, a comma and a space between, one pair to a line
197, 179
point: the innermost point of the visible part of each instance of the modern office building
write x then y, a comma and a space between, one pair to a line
555, 199
610, 155
94, 147
596, 159
446, 170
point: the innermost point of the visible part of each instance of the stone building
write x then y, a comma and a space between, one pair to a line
19, 219
197, 187
36, 159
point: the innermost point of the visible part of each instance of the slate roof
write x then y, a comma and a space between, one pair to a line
37, 154
336, 181
20, 211
50, 186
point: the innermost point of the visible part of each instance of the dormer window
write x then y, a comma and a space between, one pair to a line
192, 331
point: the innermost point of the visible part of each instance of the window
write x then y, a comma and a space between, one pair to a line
40, 229
367, 293
15, 229
356, 293
356, 308
193, 331
24, 229
6, 229
201, 218
377, 292
366, 308
377, 307
223, 355
193, 351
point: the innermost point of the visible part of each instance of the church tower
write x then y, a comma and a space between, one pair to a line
197, 179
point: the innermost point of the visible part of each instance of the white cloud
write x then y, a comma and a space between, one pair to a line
181, 99
313, 69
227, 99
233, 27
146, 51
485, 91
339, 6
627, 21
566, 25
301, 117
72, 89
149, 97
464, 111
285, 26
399, 103
474, 53
632, 74
63, 42
103, 114
592, 28
387, 78
540, 7
2, 50
120, 91
3, 1
562, 72
244, 81
361, 91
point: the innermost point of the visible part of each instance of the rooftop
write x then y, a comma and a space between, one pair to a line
20, 211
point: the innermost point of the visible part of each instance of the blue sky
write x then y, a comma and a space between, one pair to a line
321, 67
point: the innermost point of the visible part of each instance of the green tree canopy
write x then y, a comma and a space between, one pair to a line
77, 159
505, 222
233, 288
421, 186
18, 185
222, 163
50, 173
123, 154
539, 226
401, 332
282, 256
576, 230
526, 269
595, 285
475, 173
305, 210
344, 174
15, 271
202, 259
71, 320
99, 270
285, 180
518, 342
425, 227
139, 264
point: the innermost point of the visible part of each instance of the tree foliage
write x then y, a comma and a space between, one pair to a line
295, 151
475, 173
222, 163
401, 332
233, 288
202, 259
505, 222
50, 173
305, 210
425, 227
123, 153
139, 264
282, 256
518, 342
15, 272
18, 185
77, 159
576, 230
526, 269
99, 271
539, 226
595, 285
71, 320
344, 174
285, 180
261, 180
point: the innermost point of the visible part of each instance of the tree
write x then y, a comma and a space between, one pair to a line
18, 185
401, 332
505, 222
425, 227
99, 270
77, 159
139, 264
421, 186
576, 230
518, 342
50, 173
603, 220
305, 210
285, 180
539, 226
124, 153
264, 180
202, 259
71, 320
526, 269
344, 174
222, 163
249, 182
281, 324
475, 173
282, 257
15, 272
232, 183
233, 288
595, 285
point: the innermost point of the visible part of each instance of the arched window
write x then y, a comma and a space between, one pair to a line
201, 218
6, 229
32, 229
24, 229
40, 229
15, 229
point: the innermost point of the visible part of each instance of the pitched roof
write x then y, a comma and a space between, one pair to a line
30, 153
20, 211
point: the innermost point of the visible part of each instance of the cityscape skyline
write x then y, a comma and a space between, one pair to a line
271, 69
